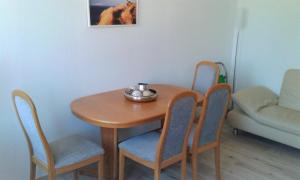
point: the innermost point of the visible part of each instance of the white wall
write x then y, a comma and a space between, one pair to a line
47, 49
270, 42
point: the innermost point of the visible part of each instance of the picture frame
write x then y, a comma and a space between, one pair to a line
112, 13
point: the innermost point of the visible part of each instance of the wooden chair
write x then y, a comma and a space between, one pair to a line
64, 155
206, 75
159, 150
206, 134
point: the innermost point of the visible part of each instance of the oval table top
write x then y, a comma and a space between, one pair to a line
112, 110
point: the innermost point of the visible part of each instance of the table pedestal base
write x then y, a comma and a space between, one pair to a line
110, 144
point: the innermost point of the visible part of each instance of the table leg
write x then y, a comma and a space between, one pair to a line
110, 145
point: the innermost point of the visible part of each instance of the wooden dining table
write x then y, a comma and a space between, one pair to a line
111, 111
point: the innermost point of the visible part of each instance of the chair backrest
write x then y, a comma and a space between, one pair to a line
27, 115
289, 94
206, 75
212, 116
177, 125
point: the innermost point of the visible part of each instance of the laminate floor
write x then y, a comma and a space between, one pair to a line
243, 157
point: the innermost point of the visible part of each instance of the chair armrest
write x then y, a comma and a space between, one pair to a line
253, 99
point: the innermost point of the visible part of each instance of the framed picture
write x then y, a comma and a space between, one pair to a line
112, 12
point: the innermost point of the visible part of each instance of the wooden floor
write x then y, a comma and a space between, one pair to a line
244, 157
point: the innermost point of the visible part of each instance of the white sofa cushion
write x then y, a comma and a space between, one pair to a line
280, 118
253, 99
290, 90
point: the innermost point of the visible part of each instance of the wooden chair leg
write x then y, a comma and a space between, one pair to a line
51, 175
218, 162
121, 166
157, 174
32, 171
101, 168
194, 166
75, 175
183, 168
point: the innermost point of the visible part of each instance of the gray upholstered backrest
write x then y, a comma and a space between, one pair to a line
27, 119
180, 119
217, 103
206, 78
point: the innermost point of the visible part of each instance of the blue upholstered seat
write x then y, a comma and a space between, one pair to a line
143, 146
169, 145
73, 149
65, 151
205, 135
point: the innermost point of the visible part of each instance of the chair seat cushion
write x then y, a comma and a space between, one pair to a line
143, 146
280, 118
73, 149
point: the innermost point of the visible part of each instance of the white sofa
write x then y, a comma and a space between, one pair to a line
260, 111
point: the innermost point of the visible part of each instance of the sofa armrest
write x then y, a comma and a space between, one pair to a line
253, 99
